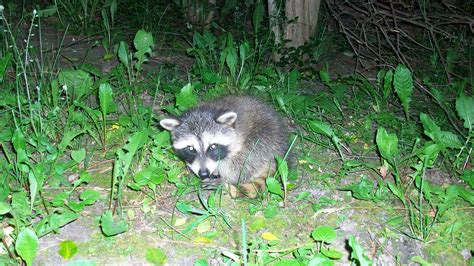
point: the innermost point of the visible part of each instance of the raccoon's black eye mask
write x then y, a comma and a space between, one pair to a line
217, 152
187, 154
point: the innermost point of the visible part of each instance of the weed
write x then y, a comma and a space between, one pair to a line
211, 207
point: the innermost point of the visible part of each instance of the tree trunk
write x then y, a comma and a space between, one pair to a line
303, 17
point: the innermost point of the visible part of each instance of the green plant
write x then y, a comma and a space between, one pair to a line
122, 164
275, 185
324, 129
211, 207
441, 143
81, 14
108, 12
225, 63
143, 44
358, 254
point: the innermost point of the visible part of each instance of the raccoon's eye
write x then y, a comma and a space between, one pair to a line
190, 148
213, 147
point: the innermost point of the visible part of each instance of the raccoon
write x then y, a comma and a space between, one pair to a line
234, 138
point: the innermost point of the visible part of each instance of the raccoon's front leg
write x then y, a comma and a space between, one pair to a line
250, 189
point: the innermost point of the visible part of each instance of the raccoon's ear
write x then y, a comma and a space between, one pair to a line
227, 119
169, 123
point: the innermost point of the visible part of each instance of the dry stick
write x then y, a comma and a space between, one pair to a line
438, 50
10, 253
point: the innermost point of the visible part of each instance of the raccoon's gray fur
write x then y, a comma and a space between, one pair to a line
235, 138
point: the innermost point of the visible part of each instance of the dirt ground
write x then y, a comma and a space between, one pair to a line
367, 221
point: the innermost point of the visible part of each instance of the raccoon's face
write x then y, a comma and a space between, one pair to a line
203, 139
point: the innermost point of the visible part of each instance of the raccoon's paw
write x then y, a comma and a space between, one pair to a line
251, 189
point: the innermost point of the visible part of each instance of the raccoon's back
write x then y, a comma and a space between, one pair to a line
256, 120
262, 132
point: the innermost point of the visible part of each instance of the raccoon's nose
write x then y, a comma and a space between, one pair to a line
203, 173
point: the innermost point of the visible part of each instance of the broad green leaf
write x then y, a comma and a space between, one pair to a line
244, 50
4, 208
450, 140
231, 55
445, 138
332, 253
358, 253
288, 262
211, 201
54, 221
282, 171
403, 84
105, 98
274, 187
465, 109
126, 154
387, 83
384, 81
303, 195
150, 175
186, 98
320, 260
257, 16
26, 245
60, 199
387, 144
143, 41
258, 224
201, 262
362, 190
395, 221
430, 152
430, 128
321, 128
156, 256
76, 206
18, 140
324, 233
123, 53
55, 94
68, 137
78, 155
84, 177
20, 206
188, 209
111, 227
162, 139
89, 196
466, 194
270, 211
396, 191
67, 249
77, 83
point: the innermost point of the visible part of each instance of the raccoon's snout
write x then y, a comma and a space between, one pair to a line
203, 173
